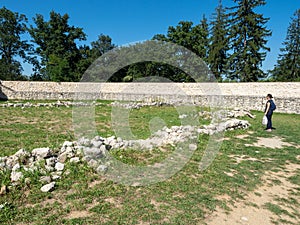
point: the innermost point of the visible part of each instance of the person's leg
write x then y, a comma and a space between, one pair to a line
269, 125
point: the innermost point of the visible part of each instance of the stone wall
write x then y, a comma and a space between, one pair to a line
247, 95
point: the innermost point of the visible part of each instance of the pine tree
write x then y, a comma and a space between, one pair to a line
201, 38
247, 33
288, 63
218, 48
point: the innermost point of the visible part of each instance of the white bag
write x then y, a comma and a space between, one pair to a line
264, 120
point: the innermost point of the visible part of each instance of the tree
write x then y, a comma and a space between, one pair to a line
203, 42
288, 63
12, 26
247, 33
102, 45
89, 54
194, 38
57, 48
218, 48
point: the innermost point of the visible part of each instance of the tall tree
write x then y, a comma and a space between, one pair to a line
288, 63
218, 48
247, 34
12, 26
56, 45
204, 40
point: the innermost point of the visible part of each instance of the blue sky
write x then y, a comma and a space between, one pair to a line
137, 20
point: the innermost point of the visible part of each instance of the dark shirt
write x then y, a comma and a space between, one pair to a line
272, 106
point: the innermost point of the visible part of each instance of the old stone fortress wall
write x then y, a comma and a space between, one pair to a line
242, 95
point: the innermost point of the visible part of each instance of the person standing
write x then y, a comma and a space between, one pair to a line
270, 107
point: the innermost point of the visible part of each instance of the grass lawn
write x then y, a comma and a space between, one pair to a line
188, 197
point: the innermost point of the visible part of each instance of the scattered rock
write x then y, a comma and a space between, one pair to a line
51, 161
102, 169
68, 144
16, 167
41, 153
48, 187
56, 177
245, 219
49, 104
137, 105
62, 158
95, 151
22, 154
3, 190
93, 163
16, 176
59, 166
192, 147
45, 179
75, 160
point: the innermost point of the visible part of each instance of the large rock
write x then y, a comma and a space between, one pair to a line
62, 158
84, 142
94, 153
51, 161
16, 176
11, 161
96, 144
41, 153
22, 154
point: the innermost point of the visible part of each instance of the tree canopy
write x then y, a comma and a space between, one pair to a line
56, 46
247, 38
12, 26
288, 63
219, 43
233, 44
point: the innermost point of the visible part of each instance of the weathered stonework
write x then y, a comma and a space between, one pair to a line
245, 95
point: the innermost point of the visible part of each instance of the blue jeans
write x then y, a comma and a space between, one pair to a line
269, 116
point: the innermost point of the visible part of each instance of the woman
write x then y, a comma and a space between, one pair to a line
270, 107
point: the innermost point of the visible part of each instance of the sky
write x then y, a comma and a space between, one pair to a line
139, 20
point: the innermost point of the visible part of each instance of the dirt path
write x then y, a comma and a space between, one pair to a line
277, 192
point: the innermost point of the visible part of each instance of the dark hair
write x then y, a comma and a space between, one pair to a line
269, 95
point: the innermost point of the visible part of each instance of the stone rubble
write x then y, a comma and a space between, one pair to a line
44, 160
48, 104
137, 105
52, 164
225, 114
235, 113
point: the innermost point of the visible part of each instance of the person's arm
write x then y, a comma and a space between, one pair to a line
268, 107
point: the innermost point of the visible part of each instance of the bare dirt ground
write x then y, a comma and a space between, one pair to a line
276, 190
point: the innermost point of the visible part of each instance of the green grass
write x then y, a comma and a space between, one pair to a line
185, 198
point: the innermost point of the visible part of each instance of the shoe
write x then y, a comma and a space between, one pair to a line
273, 128
269, 130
